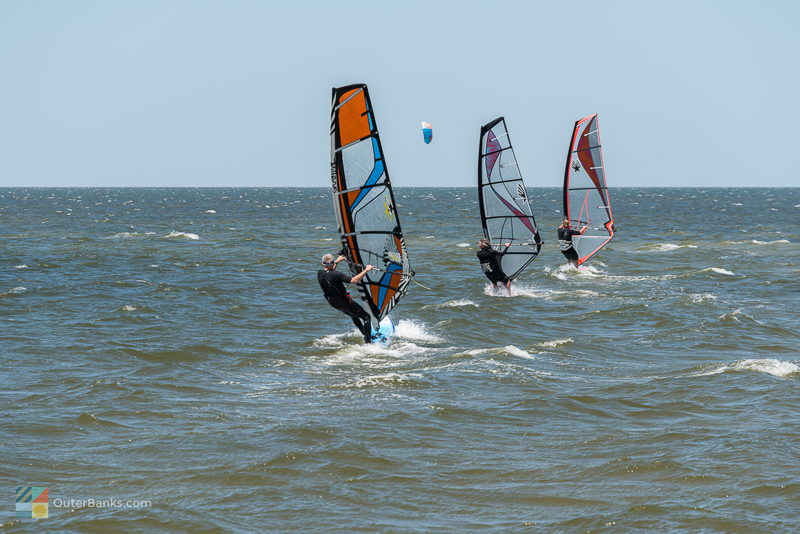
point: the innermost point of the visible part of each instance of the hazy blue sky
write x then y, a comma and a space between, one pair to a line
216, 93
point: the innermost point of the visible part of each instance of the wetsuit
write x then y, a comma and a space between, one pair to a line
566, 246
333, 287
490, 263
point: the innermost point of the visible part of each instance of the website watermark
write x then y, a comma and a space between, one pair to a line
33, 502
100, 503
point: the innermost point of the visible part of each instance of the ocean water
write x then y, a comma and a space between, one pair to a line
171, 346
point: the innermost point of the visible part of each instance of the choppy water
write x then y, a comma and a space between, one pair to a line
171, 345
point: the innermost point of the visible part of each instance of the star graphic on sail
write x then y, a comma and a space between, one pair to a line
576, 166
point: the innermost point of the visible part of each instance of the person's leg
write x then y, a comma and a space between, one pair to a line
361, 319
354, 311
571, 255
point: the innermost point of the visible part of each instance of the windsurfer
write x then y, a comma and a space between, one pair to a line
490, 263
565, 234
333, 283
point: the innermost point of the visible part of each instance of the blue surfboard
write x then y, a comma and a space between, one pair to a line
384, 334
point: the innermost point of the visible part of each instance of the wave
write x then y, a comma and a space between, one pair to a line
186, 235
555, 342
776, 242
737, 316
698, 298
664, 247
719, 271
454, 304
511, 350
211, 211
463, 245
770, 366
23, 266
128, 235
15, 291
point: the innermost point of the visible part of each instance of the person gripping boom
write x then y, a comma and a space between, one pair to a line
565, 234
490, 263
333, 287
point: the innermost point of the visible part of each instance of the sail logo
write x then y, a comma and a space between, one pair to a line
576, 166
388, 209
31, 502
333, 174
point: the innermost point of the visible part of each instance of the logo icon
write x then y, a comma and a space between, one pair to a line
576, 166
31, 502
388, 209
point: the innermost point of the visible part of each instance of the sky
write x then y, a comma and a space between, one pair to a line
193, 93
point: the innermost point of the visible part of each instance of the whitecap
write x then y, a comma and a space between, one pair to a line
666, 247
320, 228
463, 245
720, 271
735, 315
186, 235
457, 304
23, 266
128, 308
698, 298
556, 342
518, 352
508, 349
757, 242
771, 366
18, 289
123, 235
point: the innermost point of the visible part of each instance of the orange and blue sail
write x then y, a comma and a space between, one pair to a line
586, 199
366, 211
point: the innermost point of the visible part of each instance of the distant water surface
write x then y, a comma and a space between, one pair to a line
172, 345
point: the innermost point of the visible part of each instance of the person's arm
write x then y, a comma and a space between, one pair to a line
585, 226
507, 245
357, 278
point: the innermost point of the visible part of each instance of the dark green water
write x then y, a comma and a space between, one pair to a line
154, 350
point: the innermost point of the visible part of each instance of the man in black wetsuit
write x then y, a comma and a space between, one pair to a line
565, 234
333, 283
490, 263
